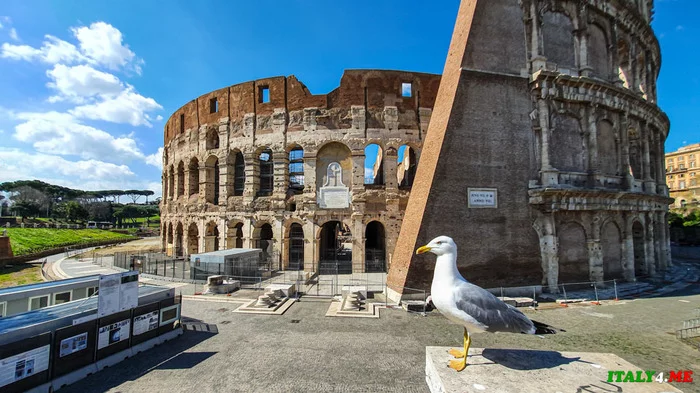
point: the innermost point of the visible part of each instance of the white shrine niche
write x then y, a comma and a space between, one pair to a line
334, 194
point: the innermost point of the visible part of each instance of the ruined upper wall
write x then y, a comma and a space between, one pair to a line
373, 89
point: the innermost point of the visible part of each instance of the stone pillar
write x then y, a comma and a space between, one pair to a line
628, 250
225, 181
624, 133
252, 177
309, 195
649, 185
549, 175
661, 240
277, 240
280, 160
206, 182
584, 68
537, 58
310, 257
358, 244
357, 183
247, 233
595, 260
391, 184
649, 257
186, 188
593, 165
549, 251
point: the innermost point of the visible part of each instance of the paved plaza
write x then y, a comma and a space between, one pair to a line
303, 351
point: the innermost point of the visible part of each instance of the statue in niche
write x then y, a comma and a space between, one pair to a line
334, 194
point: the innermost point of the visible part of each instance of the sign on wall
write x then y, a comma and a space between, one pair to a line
482, 197
145, 323
117, 292
24, 365
73, 344
114, 333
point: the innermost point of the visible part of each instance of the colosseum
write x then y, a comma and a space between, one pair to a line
543, 160
266, 164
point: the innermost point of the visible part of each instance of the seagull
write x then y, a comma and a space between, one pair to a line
469, 305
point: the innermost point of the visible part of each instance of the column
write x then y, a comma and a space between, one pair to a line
649, 257
625, 143
537, 58
649, 185
358, 244
280, 160
225, 180
252, 177
549, 175
628, 251
549, 251
595, 260
309, 196
310, 257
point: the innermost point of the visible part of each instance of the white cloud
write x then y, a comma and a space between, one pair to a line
79, 82
155, 159
159, 118
52, 51
13, 34
679, 28
128, 107
369, 173
60, 133
102, 44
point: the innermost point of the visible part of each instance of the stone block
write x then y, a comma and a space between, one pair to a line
518, 370
288, 290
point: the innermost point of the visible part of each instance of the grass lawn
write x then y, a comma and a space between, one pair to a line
29, 240
20, 274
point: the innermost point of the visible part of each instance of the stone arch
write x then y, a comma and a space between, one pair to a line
568, 144
211, 179
193, 176
180, 191
212, 141
375, 247
295, 249
296, 174
640, 74
266, 174
192, 239
573, 253
607, 148
335, 248
177, 245
211, 237
334, 152
598, 56
170, 188
236, 169
169, 239
234, 234
558, 39
624, 70
611, 244
407, 165
375, 160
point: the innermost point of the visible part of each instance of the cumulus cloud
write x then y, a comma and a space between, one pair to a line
79, 82
155, 159
61, 133
127, 107
52, 51
13, 34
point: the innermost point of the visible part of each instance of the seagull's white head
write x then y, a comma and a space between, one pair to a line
439, 246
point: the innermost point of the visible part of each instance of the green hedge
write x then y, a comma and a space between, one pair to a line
31, 240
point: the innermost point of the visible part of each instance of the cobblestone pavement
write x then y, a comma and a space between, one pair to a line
303, 351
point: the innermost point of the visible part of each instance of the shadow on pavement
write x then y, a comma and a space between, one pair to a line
167, 356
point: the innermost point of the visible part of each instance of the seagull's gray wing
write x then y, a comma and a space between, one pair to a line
490, 311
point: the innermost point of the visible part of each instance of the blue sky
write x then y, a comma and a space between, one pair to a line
86, 86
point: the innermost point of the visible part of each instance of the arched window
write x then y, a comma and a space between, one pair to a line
374, 165
296, 247
212, 139
558, 39
267, 173
193, 176
407, 164
239, 175
180, 180
171, 182
296, 170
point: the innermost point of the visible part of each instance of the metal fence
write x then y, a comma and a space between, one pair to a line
690, 332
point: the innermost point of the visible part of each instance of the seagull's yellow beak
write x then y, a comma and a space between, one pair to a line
422, 249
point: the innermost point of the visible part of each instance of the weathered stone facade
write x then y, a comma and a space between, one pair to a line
235, 161
552, 104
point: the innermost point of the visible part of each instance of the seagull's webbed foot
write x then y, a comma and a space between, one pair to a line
460, 363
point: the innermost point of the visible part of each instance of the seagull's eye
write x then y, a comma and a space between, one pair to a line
440, 242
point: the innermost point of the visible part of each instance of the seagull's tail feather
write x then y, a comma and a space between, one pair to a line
542, 328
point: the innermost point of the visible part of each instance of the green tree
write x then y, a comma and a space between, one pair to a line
76, 211
26, 209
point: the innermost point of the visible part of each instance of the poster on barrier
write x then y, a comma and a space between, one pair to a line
23, 365
114, 333
129, 291
108, 295
145, 323
73, 344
